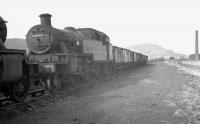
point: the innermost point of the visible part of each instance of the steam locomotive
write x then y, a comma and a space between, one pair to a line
14, 71
58, 56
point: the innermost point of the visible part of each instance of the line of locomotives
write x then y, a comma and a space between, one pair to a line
59, 57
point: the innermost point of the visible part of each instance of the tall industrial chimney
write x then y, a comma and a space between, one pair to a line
196, 46
45, 19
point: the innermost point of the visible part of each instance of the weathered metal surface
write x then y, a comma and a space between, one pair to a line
11, 64
11, 67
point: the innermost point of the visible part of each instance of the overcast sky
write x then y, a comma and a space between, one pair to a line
169, 23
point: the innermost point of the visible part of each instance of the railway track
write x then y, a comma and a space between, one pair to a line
5, 101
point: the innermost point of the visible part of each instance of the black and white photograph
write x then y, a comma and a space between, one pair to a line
99, 62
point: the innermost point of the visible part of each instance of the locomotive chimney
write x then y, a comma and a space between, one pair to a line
196, 46
45, 19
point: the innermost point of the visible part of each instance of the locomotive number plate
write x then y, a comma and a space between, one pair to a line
38, 35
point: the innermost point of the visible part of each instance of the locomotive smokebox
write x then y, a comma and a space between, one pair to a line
45, 19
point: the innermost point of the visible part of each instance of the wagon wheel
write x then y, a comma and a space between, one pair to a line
19, 90
52, 84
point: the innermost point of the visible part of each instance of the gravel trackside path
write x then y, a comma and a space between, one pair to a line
139, 96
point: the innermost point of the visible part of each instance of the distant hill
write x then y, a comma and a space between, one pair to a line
16, 43
155, 51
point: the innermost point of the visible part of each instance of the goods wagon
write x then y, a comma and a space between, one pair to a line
125, 58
